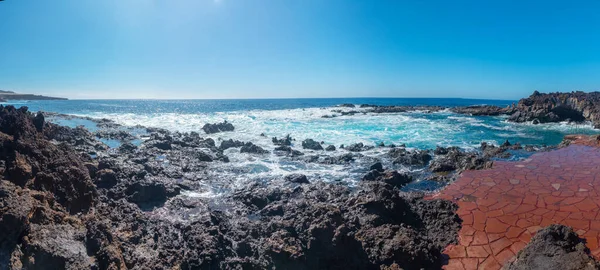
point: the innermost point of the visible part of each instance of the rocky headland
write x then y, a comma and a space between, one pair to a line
11, 95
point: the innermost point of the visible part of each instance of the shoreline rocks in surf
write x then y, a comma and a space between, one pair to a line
126, 209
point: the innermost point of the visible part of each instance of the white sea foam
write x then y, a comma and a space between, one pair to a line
415, 129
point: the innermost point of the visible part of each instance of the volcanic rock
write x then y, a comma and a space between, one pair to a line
311, 144
218, 127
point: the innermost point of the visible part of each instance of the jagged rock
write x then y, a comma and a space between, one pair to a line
230, 144
311, 144
390, 177
412, 158
286, 150
455, 159
330, 148
127, 148
377, 166
252, 148
554, 247
106, 178
218, 127
297, 178
555, 107
203, 156
287, 141
358, 147
479, 110
147, 193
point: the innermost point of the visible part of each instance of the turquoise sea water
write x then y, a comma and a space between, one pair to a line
303, 119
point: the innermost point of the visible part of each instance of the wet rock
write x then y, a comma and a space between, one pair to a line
297, 178
311, 144
253, 149
456, 159
218, 127
330, 148
114, 134
127, 148
377, 166
358, 147
411, 158
286, 150
163, 145
483, 110
491, 151
341, 159
347, 105
148, 193
203, 156
390, 177
440, 150
287, 141
230, 144
554, 247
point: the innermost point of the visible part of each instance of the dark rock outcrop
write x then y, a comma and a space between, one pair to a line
411, 158
554, 247
311, 144
555, 107
218, 127
455, 159
358, 147
483, 110
296, 178
390, 177
230, 144
287, 140
253, 149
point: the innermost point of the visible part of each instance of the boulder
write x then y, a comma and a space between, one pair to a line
253, 149
311, 144
217, 127
297, 178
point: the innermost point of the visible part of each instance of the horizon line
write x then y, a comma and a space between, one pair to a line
288, 98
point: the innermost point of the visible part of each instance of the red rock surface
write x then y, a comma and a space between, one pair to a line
503, 207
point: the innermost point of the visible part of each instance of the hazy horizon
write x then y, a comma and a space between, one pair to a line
232, 49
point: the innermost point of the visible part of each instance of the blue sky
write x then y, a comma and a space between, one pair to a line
289, 48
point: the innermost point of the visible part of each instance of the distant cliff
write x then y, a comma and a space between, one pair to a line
556, 107
10, 95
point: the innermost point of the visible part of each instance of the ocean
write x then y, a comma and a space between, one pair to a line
303, 119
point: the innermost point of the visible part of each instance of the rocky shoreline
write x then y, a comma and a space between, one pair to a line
69, 200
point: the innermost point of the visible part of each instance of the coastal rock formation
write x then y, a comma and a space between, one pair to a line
311, 144
218, 127
411, 158
252, 148
123, 209
11, 95
554, 247
287, 140
556, 107
296, 178
483, 110
230, 144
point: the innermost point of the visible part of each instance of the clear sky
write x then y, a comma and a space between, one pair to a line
298, 48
